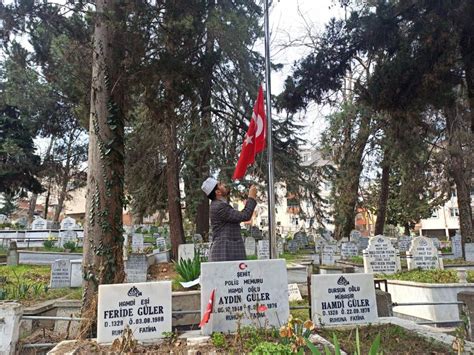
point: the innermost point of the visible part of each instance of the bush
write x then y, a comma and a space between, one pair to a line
189, 269
69, 245
49, 244
271, 348
426, 276
218, 340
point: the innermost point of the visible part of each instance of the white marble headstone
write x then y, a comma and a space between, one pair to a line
186, 251
348, 250
136, 268
161, 243
76, 273
255, 291
294, 293
68, 223
61, 274
144, 307
319, 243
3, 218
341, 299
39, 224
204, 249
328, 254
404, 243
137, 243
456, 246
423, 254
263, 249
381, 257
250, 246
355, 236
67, 236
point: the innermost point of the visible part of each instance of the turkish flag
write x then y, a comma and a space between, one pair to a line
255, 139
207, 313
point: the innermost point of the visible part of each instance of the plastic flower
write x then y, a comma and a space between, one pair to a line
284, 331
308, 325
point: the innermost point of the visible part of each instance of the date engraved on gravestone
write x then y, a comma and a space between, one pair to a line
263, 249
136, 268
61, 274
348, 250
343, 299
381, 257
423, 254
254, 292
144, 307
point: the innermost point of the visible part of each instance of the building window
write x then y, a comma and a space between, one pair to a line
435, 214
454, 212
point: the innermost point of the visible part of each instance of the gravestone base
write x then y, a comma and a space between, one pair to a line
10, 314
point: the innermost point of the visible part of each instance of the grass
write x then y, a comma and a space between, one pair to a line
427, 276
30, 284
394, 340
55, 249
300, 313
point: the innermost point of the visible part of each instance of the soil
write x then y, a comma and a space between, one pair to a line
39, 336
162, 271
393, 340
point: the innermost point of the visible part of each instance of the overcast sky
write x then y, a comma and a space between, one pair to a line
292, 21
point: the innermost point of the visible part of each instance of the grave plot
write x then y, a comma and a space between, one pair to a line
381, 257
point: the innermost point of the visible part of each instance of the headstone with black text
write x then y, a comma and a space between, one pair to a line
328, 254
250, 246
61, 274
292, 246
263, 249
144, 307
39, 224
66, 236
456, 246
137, 243
354, 236
363, 243
68, 223
342, 299
136, 268
294, 293
203, 249
404, 243
319, 243
381, 257
348, 250
254, 292
161, 243
424, 255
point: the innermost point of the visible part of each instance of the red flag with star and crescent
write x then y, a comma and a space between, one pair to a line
255, 138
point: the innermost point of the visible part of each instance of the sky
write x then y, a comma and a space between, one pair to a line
295, 21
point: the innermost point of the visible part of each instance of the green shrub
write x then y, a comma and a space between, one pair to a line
189, 269
49, 244
426, 276
218, 340
70, 245
272, 348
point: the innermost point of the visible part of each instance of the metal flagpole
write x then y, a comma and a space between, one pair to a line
271, 192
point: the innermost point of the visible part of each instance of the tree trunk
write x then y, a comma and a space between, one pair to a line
347, 190
103, 234
46, 200
460, 167
202, 215
65, 181
383, 197
32, 208
172, 185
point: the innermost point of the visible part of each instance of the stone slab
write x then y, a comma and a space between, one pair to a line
263, 249
381, 257
343, 299
144, 307
255, 291
136, 268
61, 274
